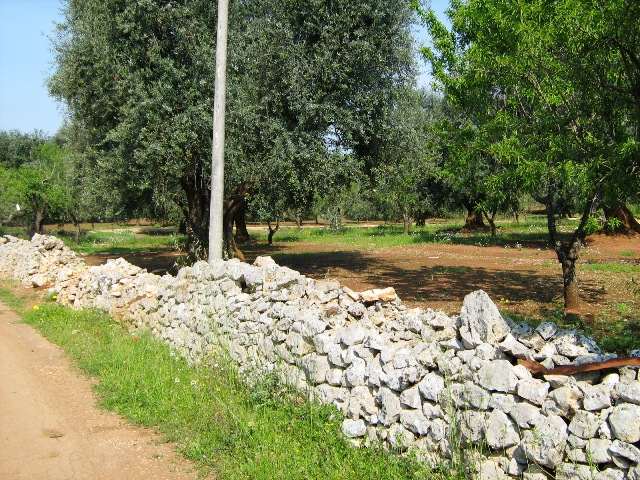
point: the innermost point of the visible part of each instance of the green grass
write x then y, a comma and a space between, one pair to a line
19, 232
230, 430
612, 267
627, 254
383, 236
10, 298
122, 242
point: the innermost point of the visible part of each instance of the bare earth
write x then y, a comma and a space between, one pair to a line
526, 279
51, 429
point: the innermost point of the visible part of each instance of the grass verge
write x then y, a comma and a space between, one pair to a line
230, 430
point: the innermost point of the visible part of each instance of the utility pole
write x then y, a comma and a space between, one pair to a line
216, 214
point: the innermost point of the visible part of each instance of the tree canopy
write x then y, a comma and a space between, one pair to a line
535, 81
306, 79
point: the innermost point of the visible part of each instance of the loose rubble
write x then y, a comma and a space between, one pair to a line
413, 379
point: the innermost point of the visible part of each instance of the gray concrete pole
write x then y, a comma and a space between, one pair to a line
216, 215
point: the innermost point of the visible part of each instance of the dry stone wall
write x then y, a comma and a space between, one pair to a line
413, 379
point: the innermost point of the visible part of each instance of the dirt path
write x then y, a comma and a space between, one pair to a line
50, 428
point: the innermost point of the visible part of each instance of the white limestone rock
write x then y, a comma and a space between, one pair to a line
628, 392
584, 424
501, 431
498, 376
596, 397
625, 422
547, 330
547, 443
390, 407
625, 450
400, 438
415, 421
525, 415
481, 321
597, 450
354, 428
431, 386
533, 390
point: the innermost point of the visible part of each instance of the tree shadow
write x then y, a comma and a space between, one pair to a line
437, 283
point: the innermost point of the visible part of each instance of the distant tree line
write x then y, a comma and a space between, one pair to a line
324, 118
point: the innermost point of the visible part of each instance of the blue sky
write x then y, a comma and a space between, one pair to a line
26, 61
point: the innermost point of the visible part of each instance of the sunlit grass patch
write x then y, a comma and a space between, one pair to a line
123, 241
612, 267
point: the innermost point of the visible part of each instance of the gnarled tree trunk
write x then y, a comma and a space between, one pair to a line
626, 222
242, 234
196, 216
234, 203
39, 212
272, 231
474, 217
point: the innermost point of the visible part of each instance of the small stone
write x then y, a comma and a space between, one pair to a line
563, 401
625, 450
547, 330
501, 431
411, 397
628, 392
357, 310
498, 376
38, 280
502, 402
492, 470
573, 471
596, 397
400, 438
390, 407
584, 424
625, 422
352, 335
611, 474
354, 428
597, 450
355, 374
471, 426
525, 414
546, 445
473, 396
431, 386
533, 390
557, 381
415, 421
515, 348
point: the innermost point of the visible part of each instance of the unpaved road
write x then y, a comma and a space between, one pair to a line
50, 428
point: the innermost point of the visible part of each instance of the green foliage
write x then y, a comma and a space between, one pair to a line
536, 83
307, 84
593, 225
407, 162
612, 224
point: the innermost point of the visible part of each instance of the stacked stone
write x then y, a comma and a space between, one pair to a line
35, 262
412, 379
